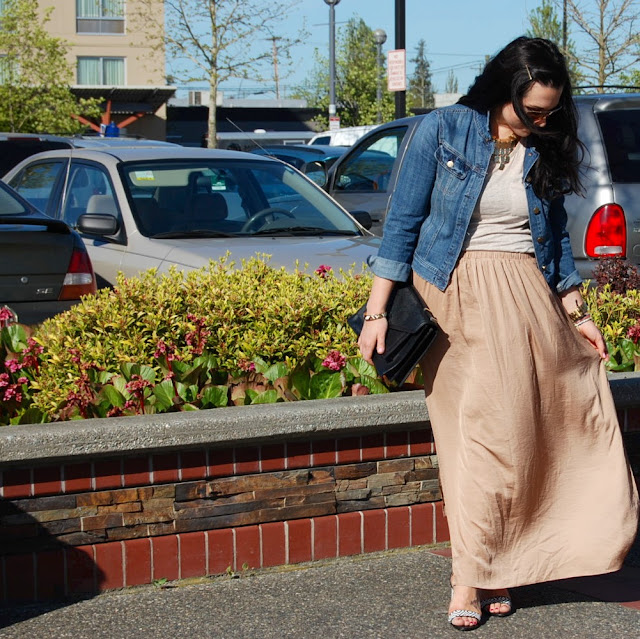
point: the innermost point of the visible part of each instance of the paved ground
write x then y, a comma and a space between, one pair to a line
399, 594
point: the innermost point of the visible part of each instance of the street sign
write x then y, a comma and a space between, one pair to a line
334, 123
396, 70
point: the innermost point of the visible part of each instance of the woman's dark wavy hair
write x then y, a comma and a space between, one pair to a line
506, 78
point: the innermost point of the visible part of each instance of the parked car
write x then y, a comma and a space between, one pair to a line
15, 147
604, 223
315, 160
44, 266
157, 207
346, 136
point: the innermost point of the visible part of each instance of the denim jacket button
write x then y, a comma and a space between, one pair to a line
536, 210
544, 267
541, 239
450, 164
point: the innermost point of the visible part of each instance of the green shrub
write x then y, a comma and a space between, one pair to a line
208, 337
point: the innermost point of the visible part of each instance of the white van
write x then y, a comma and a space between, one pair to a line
342, 137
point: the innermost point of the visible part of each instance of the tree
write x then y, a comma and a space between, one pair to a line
214, 41
35, 76
356, 79
614, 42
545, 23
452, 83
420, 93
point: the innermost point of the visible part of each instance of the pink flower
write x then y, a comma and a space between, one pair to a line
245, 365
12, 365
634, 333
334, 361
323, 270
7, 316
4, 379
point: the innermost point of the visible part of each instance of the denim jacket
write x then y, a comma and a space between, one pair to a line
440, 181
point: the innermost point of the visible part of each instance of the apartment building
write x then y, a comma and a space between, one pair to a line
118, 58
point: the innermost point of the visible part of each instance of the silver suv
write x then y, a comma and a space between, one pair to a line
606, 222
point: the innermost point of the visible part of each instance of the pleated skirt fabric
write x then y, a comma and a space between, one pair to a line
534, 476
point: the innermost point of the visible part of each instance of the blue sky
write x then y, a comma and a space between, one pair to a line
458, 33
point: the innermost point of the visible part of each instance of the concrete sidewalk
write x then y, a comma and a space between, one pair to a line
388, 595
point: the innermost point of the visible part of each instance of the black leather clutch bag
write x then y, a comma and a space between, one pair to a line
411, 331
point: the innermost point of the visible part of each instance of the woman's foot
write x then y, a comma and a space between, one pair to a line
464, 610
497, 602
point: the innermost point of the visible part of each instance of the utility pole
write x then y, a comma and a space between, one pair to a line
564, 27
400, 30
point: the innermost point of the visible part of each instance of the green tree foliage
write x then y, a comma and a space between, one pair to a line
214, 41
545, 23
452, 83
356, 79
420, 93
35, 75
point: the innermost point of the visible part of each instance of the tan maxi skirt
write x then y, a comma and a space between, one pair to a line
534, 476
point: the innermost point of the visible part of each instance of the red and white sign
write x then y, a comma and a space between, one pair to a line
334, 123
397, 70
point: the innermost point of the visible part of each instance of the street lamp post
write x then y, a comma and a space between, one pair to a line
332, 57
380, 37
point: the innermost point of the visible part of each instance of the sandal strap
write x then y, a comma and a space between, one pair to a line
464, 613
500, 599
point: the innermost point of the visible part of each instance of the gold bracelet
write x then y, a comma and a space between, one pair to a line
374, 316
580, 312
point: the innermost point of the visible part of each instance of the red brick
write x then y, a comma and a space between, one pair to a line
324, 452
375, 530
193, 559
299, 455
16, 483
442, 528
81, 570
108, 474
348, 450
19, 574
109, 566
50, 575
273, 544
137, 554
272, 458
299, 540
221, 462
420, 442
349, 534
247, 547
220, 550
193, 465
47, 481
247, 460
77, 478
136, 471
373, 447
165, 557
325, 537
165, 468
397, 445
398, 531
422, 524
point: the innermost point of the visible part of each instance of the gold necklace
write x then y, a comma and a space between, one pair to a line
503, 147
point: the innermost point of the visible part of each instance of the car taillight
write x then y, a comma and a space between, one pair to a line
607, 233
79, 279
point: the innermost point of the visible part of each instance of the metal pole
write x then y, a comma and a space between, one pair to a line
332, 56
380, 37
400, 16
564, 27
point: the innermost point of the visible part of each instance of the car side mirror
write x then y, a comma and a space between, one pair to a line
363, 218
98, 224
316, 172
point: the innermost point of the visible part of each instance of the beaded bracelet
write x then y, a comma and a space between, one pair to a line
583, 320
375, 316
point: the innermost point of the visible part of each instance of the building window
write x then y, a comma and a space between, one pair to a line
100, 16
101, 71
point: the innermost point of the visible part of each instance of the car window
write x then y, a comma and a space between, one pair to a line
621, 133
36, 182
369, 167
84, 184
235, 197
10, 205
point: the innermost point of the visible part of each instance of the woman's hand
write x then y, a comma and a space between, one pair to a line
591, 333
372, 338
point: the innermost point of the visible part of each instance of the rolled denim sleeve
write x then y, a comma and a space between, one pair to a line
409, 204
568, 275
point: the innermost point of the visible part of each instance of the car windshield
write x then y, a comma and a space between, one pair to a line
227, 198
9, 204
621, 132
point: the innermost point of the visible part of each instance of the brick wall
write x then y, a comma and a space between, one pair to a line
93, 522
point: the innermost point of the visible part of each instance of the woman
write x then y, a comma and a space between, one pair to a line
534, 476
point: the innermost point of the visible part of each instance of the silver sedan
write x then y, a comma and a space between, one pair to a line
138, 208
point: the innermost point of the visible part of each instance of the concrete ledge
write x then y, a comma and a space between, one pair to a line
221, 427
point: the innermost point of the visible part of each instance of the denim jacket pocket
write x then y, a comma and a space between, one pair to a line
452, 169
